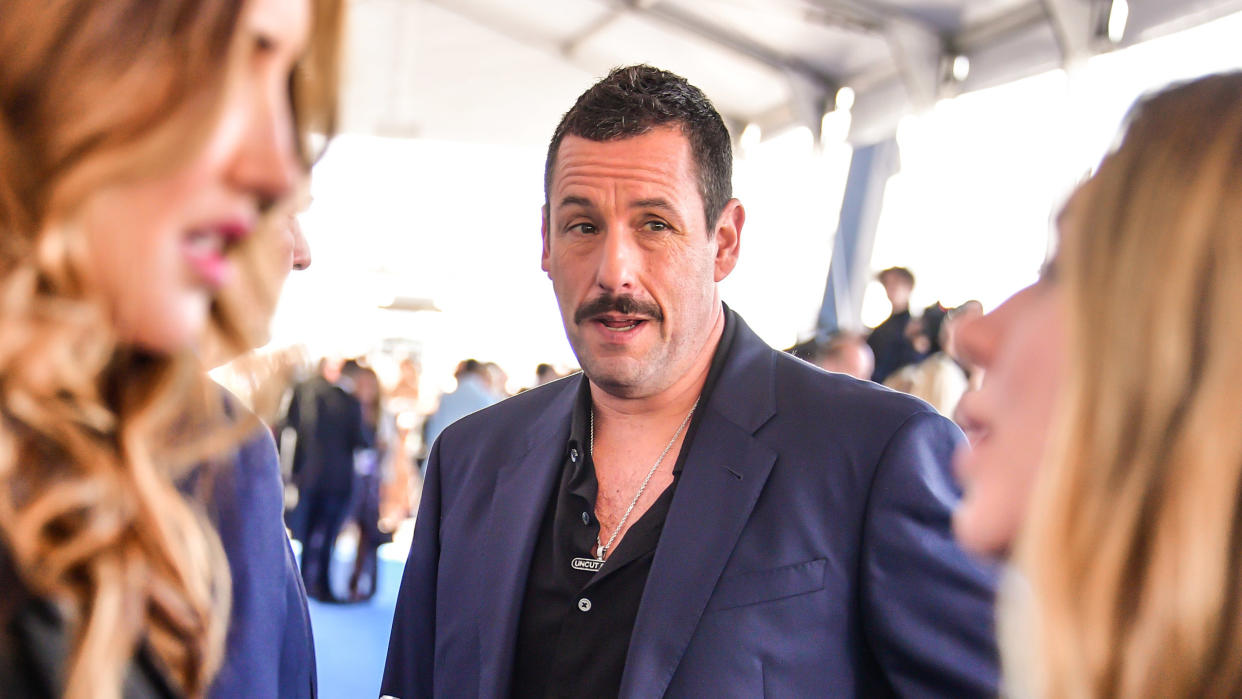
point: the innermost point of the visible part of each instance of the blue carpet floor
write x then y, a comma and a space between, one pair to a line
352, 639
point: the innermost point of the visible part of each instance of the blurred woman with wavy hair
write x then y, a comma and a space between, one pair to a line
146, 150
1110, 465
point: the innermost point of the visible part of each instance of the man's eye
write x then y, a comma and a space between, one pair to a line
657, 226
584, 228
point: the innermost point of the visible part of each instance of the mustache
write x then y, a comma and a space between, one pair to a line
625, 305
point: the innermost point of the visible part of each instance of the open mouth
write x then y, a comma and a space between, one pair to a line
204, 243
618, 324
207, 250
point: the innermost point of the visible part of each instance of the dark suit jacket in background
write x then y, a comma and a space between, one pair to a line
807, 550
890, 346
329, 425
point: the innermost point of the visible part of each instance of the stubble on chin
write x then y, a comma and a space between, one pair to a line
610, 374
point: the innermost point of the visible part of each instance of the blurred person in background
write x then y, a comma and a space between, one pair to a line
924, 330
148, 151
942, 378
888, 340
545, 373
327, 417
497, 380
473, 392
405, 392
295, 436
1110, 463
846, 353
369, 469
399, 490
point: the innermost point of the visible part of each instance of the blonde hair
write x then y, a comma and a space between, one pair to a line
1133, 546
95, 435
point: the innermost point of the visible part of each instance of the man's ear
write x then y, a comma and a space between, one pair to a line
729, 237
543, 232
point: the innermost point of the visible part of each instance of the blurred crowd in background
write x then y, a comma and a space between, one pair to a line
354, 432
353, 435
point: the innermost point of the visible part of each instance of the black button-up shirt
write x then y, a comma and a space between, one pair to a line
576, 622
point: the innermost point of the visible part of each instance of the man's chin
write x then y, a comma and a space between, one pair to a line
622, 377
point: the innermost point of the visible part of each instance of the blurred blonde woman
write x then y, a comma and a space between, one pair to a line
145, 147
1110, 465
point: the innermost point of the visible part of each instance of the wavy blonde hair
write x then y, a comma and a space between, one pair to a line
95, 435
1133, 546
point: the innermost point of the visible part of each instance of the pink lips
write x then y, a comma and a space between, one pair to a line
619, 323
615, 329
206, 250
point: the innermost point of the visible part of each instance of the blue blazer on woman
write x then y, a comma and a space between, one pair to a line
270, 651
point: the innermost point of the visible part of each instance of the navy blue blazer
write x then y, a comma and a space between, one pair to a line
807, 550
269, 652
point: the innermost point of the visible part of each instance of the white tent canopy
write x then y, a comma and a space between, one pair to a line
502, 71
431, 195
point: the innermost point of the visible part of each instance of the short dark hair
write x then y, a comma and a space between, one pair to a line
905, 274
632, 101
468, 366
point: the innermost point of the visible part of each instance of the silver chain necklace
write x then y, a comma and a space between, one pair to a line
604, 548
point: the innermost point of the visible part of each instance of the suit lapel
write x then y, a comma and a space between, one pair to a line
724, 474
521, 493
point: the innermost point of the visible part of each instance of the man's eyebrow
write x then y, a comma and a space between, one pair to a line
575, 201
654, 203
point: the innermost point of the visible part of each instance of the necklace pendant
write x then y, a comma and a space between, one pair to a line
589, 565
642, 487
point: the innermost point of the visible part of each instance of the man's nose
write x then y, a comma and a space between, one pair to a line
618, 262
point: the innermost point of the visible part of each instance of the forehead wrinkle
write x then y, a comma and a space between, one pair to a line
654, 189
602, 195
636, 173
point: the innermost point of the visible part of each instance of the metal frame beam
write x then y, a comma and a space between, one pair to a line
565, 52
732, 41
996, 28
917, 50
569, 48
809, 87
1073, 24
850, 267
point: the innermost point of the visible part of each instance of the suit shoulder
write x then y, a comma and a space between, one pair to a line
802, 386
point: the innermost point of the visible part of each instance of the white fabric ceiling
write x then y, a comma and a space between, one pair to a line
503, 71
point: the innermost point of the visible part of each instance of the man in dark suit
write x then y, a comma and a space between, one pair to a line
696, 514
328, 422
889, 341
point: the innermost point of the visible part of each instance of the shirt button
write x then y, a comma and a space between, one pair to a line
584, 605
586, 518
573, 455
